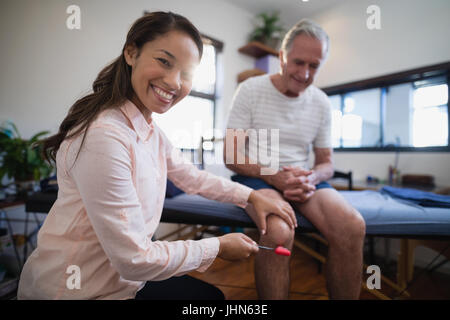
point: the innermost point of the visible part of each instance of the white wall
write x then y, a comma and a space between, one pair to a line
376, 164
45, 67
414, 33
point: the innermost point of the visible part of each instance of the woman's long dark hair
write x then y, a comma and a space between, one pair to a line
113, 84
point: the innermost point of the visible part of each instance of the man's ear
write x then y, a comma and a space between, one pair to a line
130, 54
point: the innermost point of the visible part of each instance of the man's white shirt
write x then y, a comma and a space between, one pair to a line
303, 121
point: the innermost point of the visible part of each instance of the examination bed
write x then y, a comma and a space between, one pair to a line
384, 215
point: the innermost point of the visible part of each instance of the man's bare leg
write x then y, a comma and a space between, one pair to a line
344, 229
272, 270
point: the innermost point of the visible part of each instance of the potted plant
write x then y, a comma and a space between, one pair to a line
21, 159
268, 29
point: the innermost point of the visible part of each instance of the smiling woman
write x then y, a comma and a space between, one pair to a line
113, 163
194, 116
162, 71
114, 84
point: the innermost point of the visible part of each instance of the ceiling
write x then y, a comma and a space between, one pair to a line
290, 10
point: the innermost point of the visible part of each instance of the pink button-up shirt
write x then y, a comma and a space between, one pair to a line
109, 205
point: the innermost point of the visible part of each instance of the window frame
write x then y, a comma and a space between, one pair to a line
384, 82
218, 46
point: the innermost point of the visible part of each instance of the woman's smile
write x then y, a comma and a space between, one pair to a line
163, 95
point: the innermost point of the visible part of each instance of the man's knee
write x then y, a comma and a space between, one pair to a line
357, 225
352, 230
278, 232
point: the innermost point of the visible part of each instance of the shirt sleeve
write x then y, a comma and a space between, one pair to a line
191, 180
103, 176
241, 108
323, 137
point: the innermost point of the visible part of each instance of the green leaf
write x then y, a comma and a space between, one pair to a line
270, 26
37, 135
14, 128
19, 158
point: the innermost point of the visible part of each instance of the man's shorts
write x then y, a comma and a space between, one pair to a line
256, 183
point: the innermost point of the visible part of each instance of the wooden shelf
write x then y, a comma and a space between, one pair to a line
257, 50
244, 75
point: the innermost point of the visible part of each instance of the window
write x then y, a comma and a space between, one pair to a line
430, 116
401, 112
361, 118
193, 116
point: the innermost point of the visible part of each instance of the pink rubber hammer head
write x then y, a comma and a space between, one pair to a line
282, 251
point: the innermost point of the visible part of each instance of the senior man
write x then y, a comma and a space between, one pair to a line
289, 102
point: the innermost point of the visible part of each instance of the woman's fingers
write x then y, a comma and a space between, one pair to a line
283, 213
236, 246
265, 205
291, 213
253, 244
262, 223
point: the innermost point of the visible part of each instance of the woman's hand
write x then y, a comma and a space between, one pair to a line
236, 246
265, 206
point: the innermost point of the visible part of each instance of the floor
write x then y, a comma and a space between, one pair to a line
236, 280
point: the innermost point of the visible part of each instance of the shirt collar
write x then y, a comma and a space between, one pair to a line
143, 129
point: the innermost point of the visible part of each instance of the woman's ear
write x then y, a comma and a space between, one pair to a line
130, 54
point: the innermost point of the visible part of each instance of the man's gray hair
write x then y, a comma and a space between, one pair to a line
308, 27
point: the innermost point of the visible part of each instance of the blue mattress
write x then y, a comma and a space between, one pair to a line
383, 214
